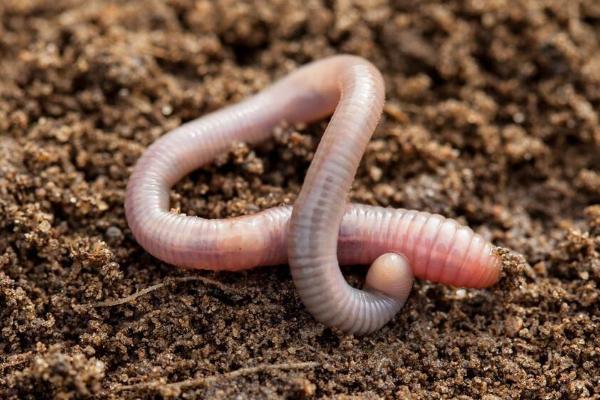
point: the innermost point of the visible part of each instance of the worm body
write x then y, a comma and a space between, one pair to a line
323, 229
316, 217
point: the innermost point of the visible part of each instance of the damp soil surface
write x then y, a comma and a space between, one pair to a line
491, 118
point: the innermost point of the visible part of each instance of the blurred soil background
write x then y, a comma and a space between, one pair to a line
491, 117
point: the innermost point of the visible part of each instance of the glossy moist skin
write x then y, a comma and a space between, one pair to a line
435, 248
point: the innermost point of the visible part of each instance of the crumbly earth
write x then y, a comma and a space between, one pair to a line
491, 118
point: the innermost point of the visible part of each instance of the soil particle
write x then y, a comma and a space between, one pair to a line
490, 118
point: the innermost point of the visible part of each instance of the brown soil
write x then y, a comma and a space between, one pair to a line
491, 118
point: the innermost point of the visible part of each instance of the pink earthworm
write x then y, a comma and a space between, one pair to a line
322, 228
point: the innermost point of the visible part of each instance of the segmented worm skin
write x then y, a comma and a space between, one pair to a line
322, 230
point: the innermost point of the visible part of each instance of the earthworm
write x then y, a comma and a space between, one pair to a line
323, 227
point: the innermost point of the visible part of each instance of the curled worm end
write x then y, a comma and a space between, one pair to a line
391, 274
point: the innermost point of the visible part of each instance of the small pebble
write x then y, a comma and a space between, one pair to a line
114, 234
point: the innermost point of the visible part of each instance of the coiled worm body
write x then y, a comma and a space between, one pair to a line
323, 229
